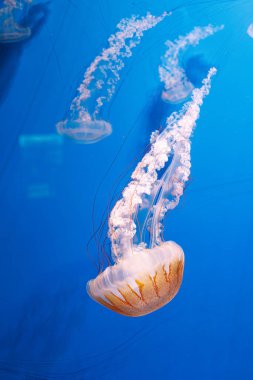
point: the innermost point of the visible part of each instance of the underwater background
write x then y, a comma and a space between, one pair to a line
53, 191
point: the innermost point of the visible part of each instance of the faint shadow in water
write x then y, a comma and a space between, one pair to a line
158, 111
10, 53
44, 328
48, 327
196, 69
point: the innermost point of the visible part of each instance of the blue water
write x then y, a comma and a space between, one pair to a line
49, 327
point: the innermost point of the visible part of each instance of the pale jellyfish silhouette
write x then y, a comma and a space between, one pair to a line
147, 276
177, 86
10, 30
250, 30
84, 122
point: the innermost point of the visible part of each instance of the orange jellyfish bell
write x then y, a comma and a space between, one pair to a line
141, 283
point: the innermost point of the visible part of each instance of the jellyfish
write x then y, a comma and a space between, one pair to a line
10, 31
177, 87
250, 30
84, 123
146, 276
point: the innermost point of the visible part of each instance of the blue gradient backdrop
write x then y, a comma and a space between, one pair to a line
49, 328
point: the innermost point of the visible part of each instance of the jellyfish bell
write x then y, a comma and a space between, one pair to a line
10, 31
85, 131
250, 30
178, 92
141, 282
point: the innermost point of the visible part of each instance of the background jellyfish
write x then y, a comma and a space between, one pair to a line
100, 79
10, 30
147, 276
250, 30
177, 86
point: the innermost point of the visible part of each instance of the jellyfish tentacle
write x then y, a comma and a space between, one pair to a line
177, 174
10, 30
167, 182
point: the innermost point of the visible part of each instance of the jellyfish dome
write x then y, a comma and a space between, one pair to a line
178, 90
146, 276
250, 30
10, 31
86, 131
143, 283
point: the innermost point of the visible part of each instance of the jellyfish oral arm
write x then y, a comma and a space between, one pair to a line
173, 141
111, 59
10, 30
177, 87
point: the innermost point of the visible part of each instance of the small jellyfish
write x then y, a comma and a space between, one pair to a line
84, 123
177, 86
250, 30
145, 276
10, 31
